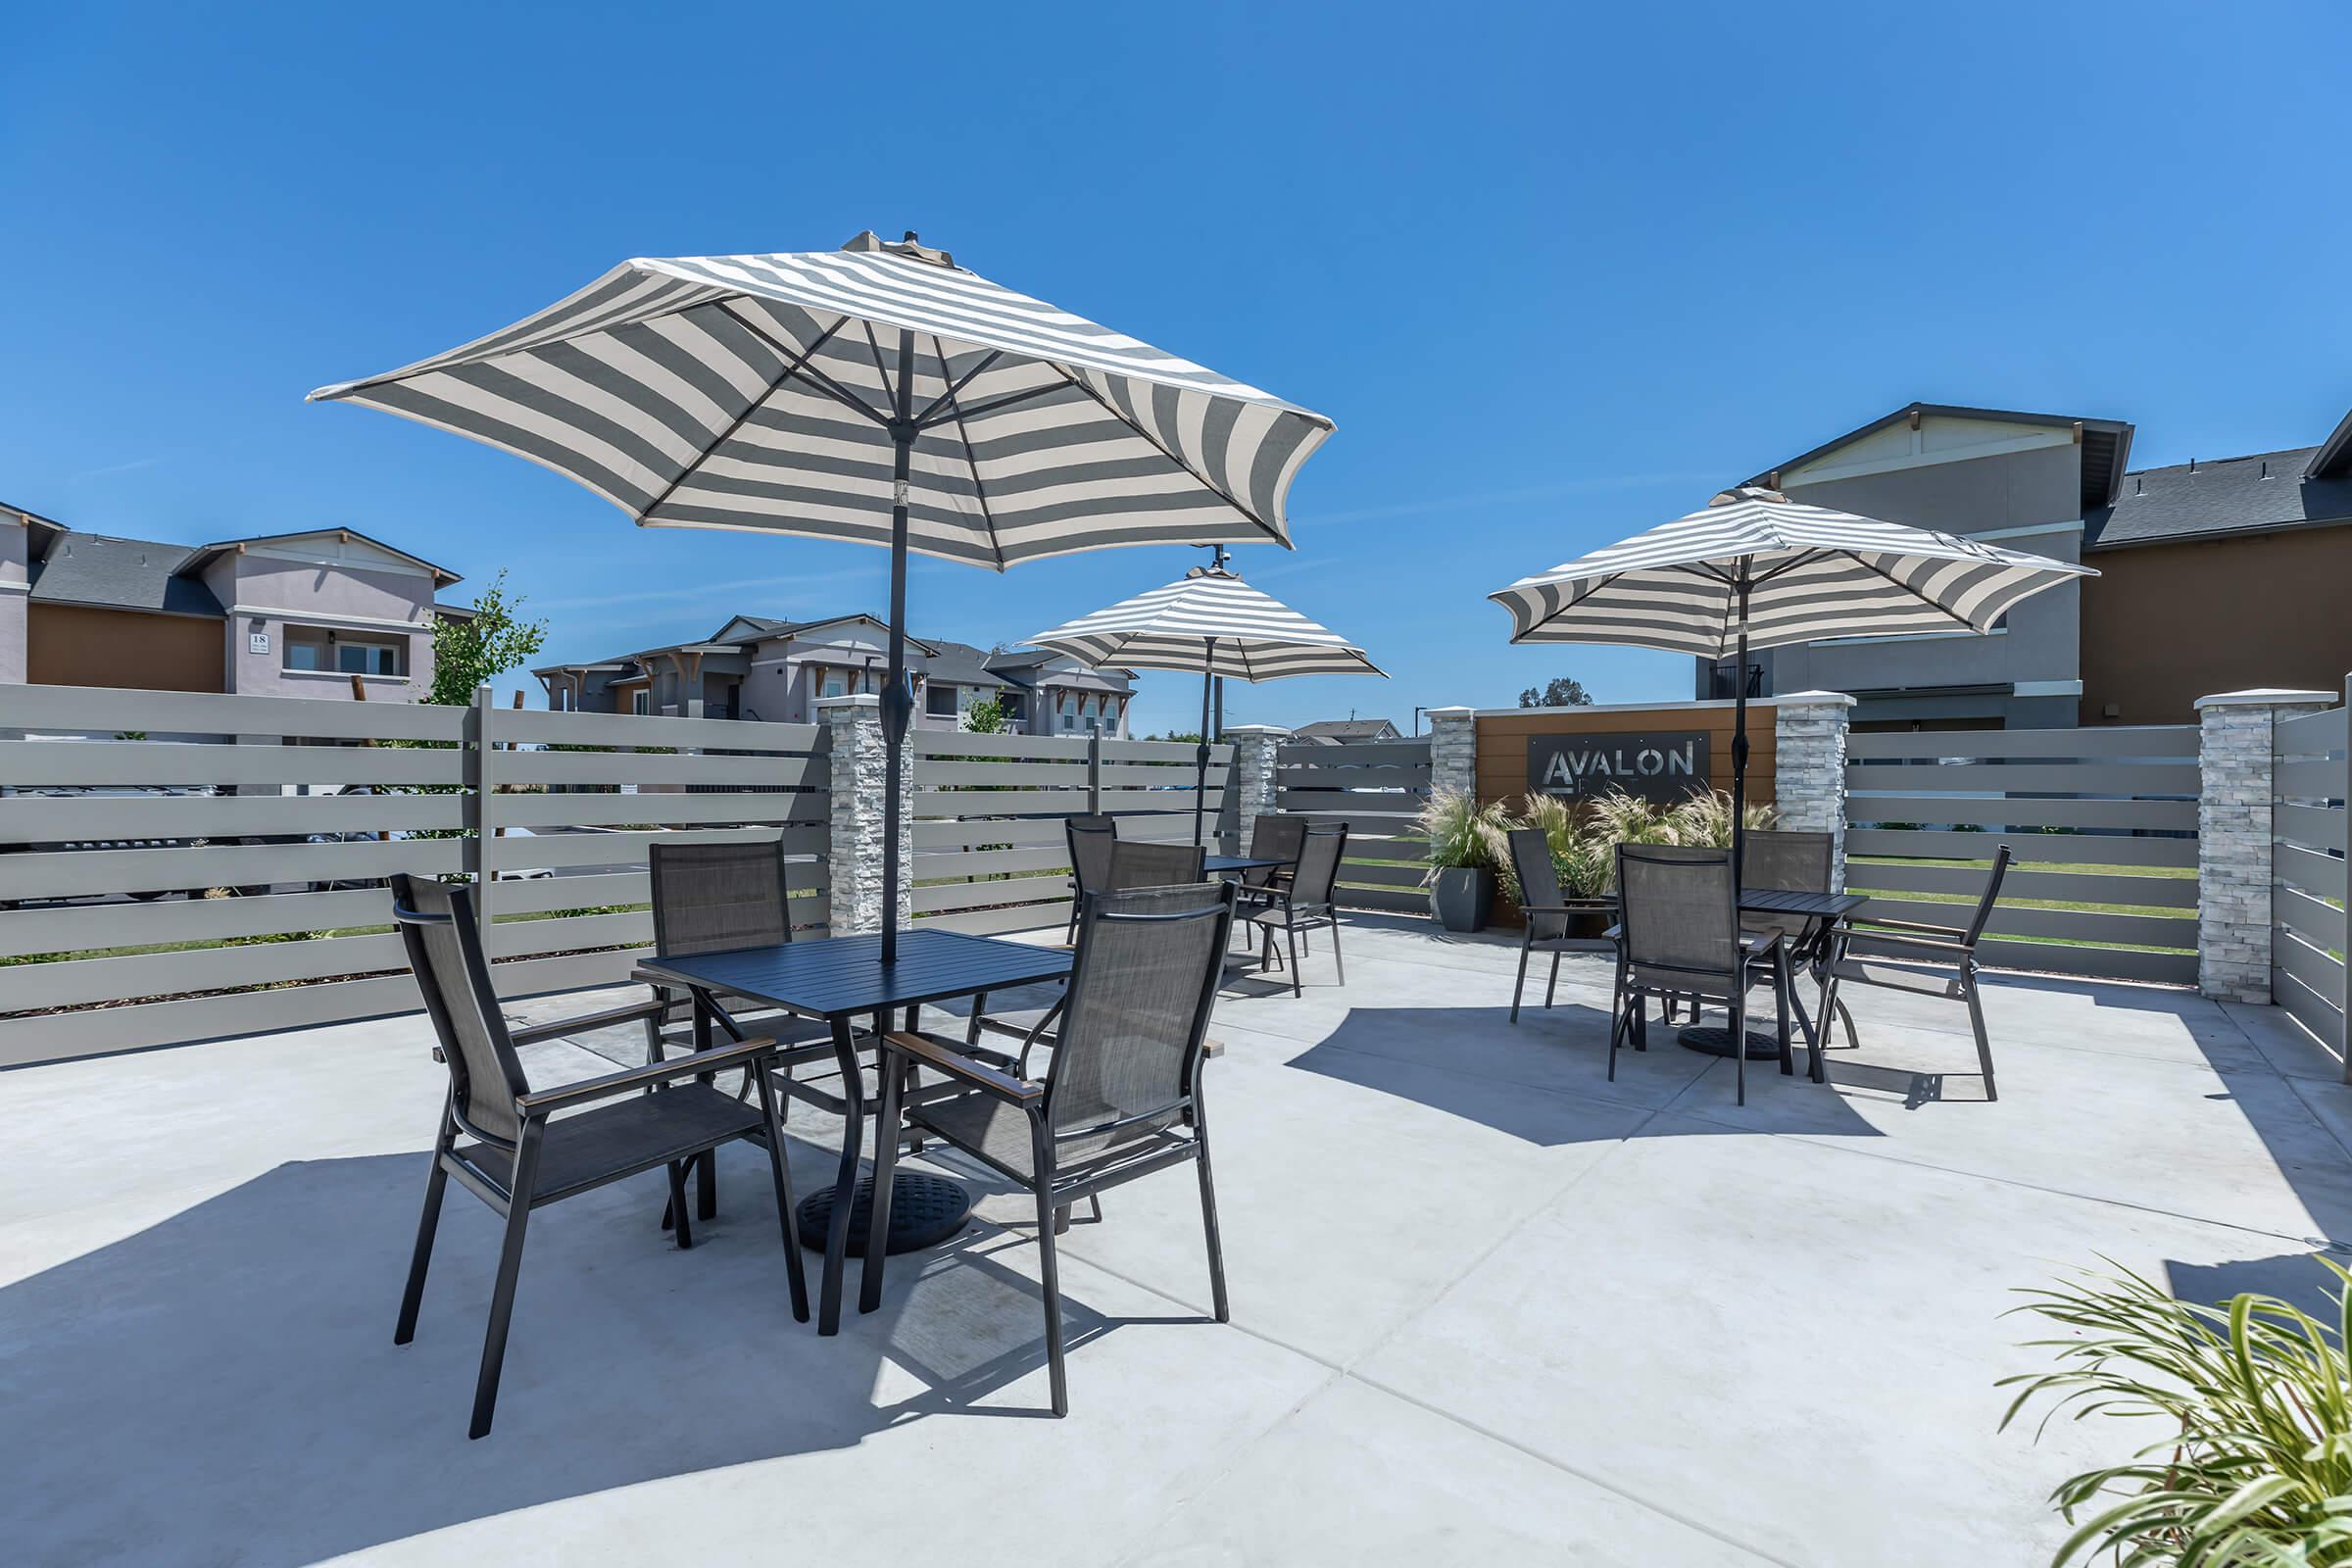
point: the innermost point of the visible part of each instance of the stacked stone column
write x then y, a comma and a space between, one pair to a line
2236, 734
1254, 749
858, 768
1809, 730
1454, 749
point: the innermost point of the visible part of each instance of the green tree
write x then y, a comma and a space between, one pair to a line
1563, 691
467, 653
985, 717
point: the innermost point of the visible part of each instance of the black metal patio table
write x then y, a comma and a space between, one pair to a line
838, 979
1218, 865
1822, 912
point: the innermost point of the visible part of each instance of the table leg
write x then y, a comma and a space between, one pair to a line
706, 1204
845, 1184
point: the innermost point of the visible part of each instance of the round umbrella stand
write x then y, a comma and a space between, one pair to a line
924, 1212
1716, 1041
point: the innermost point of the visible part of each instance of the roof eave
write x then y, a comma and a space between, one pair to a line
2334, 460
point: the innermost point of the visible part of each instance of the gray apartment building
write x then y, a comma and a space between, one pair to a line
759, 669
2194, 559
289, 614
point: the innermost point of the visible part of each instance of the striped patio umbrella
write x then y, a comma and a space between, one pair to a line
1208, 620
878, 393
1755, 570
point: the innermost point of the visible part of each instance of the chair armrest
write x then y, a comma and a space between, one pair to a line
1556, 909
747, 1054
586, 1021
1759, 943
963, 1069
1615, 933
1924, 943
1956, 932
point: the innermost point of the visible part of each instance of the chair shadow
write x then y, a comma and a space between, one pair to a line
2296, 1277
1545, 1080
234, 1363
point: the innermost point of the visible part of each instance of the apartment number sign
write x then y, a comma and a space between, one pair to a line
1662, 766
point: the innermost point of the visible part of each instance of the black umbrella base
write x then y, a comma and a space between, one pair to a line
1717, 1042
924, 1212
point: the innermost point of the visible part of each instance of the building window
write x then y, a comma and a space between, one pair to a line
939, 700
836, 684
345, 653
1015, 705
641, 700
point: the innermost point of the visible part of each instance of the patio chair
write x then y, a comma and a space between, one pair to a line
1119, 1100
1307, 904
505, 1141
1547, 908
1271, 837
1135, 863
1934, 961
1792, 861
1090, 839
1677, 935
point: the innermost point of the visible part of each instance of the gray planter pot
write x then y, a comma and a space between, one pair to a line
1461, 896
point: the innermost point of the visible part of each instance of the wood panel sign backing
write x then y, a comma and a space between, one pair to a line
1509, 741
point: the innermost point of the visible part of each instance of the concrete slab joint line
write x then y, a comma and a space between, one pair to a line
2235, 740
858, 764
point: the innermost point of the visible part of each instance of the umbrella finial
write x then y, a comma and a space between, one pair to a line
1217, 567
866, 239
1747, 492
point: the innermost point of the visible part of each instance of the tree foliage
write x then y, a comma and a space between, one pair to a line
1563, 691
985, 717
470, 652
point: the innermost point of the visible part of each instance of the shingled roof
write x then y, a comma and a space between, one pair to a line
2209, 499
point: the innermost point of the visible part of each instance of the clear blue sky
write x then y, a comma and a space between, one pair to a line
1557, 274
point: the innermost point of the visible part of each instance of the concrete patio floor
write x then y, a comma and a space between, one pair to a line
1487, 1306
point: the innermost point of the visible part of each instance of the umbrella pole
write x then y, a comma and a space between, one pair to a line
1201, 755
897, 696
1739, 749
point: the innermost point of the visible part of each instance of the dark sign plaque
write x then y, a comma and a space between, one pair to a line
1663, 766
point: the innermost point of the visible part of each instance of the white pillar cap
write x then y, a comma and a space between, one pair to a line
852, 701
1255, 729
1816, 699
2264, 697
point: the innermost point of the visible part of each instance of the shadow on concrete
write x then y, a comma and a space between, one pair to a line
2296, 1277
234, 1364
1544, 1080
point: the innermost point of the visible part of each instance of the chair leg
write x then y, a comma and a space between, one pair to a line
1209, 1211
510, 1268
780, 1171
1527, 946
677, 1204
1297, 983
1339, 962
1619, 1022
1048, 1276
1781, 984
1740, 1040
705, 1202
1976, 1022
413, 1296
887, 1128
1553, 984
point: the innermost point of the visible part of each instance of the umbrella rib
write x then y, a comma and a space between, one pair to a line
972, 458
1205, 482
874, 344
815, 378
749, 409
960, 382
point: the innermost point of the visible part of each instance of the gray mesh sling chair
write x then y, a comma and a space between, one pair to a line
1091, 840
1794, 861
1548, 909
1307, 904
1272, 838
1934, 961
1677, 935
1135, 863
1120, 1097
505, 1141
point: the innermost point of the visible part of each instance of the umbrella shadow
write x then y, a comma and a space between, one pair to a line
233, 1364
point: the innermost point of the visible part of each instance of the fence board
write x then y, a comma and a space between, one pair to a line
959, 833
986, 923
2095, 927
660, 767
2309, 734
2160, 741
2094, 963
2178, 817
2314, 872
2315, 1011
1382, 873
88, 873
956, 743
2058, 778
2078, 886
156, 974
2317, 826
83, 927
2312, 965
532, 724
1054, 802
989, 862
113, 818
557, 850
2085, 849
90, 708
626, 811
1371, 754
1389, 901
1164, 751
1015, 890
2314, 919
36, 764
2309, 778
62, 1037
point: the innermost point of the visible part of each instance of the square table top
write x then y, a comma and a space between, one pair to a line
1210, 864
840, 976
1814, 905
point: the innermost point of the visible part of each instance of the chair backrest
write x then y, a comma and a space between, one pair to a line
1539, 883
444, 943
1273, 838
1993, 891
1143, 980
1135, 863
1091, 839
1319, 856
1786, 860
1679, 912
716, 898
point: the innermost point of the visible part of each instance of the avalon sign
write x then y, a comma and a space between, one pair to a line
1662, 767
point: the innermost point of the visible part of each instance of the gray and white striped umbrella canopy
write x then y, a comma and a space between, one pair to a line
1813, 573
757, 392
1211, 622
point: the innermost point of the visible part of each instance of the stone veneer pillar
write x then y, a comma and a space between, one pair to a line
856, 770
1454, 749
2234, 736
1254, 748
1809, 730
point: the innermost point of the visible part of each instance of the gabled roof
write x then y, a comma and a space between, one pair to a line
759, 628
2209, 499
1346, 729
202, 553
88, 568
2333, 458
958, 664
2106, 443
